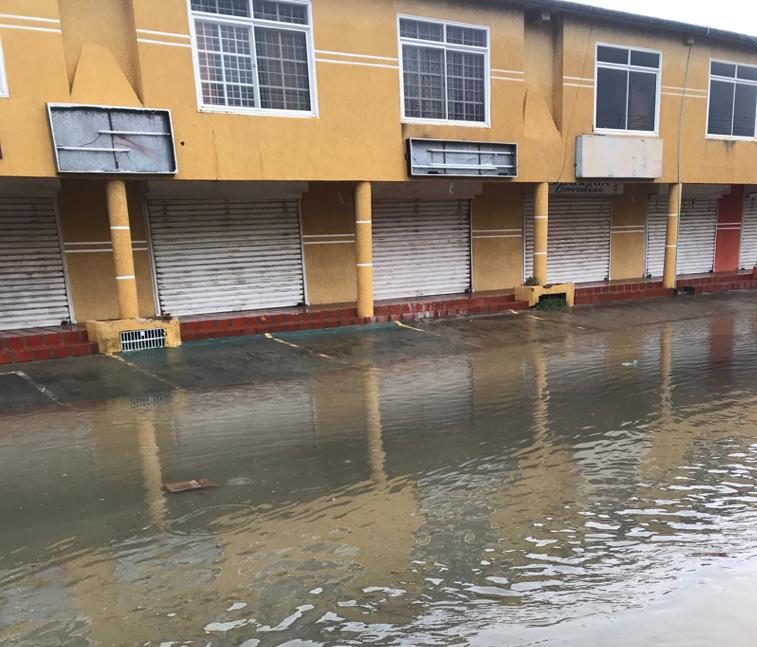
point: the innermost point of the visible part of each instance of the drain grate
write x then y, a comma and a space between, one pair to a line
132, 340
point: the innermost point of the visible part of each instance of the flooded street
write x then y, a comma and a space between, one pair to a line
533, 479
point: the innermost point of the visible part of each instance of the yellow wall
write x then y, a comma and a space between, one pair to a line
628, 240
101, 51
497, 238
92, 276
328, 229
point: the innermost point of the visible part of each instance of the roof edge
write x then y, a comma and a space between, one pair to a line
615, 15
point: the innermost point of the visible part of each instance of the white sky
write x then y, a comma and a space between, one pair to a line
733, 15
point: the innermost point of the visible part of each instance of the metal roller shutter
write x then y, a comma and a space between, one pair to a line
226, 255
578, 248
657, 224
32, 275
748, 254
696, 236
421, 248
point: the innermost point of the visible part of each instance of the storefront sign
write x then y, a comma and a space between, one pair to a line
587, 188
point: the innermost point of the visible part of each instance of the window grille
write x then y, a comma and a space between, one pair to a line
254, 55
444, 71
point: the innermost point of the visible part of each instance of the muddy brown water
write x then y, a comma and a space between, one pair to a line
582, 479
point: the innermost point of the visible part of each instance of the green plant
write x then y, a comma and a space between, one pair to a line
553, 303
532, 280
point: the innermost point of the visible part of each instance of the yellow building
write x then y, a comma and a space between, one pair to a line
199, 157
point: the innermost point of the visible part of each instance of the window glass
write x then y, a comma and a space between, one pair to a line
421, 30
626, 93
611, 98
465, 36
246, 62
466, 86
612, 55
744, 108
226, 66
722, 69
733, 100
720, 119
281, 11
642, 93
747, 73
283, 69
645, 59
423, 72
225, 7
446, 79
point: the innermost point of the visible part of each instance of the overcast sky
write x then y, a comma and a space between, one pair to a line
733, 15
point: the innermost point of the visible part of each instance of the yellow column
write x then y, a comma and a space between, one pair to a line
541, 232
364, 246
123, 255
671, 242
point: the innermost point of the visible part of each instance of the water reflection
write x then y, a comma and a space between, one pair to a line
481, 493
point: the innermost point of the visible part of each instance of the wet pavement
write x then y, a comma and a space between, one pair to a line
536, 479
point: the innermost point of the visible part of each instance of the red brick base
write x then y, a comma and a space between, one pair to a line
34, 344
290, 320
71, 341
649, 289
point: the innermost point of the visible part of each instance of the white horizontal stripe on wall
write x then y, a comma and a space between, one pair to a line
150, 41
11, 16
358, 63
329, 52
25, 28
169, 34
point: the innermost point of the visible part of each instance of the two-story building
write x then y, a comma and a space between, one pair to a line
210, 157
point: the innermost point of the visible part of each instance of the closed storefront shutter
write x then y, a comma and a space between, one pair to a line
657, 231
578, 248
226, 255
421, 248
696, 236
748, 254
32, 276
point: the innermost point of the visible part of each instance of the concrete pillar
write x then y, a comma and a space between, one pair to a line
541, 232
671, 241
123, 255
364, 247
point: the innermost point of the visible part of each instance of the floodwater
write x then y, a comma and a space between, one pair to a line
554, 479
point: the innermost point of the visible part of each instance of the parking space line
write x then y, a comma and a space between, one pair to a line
42, 389
302, 348
144, 371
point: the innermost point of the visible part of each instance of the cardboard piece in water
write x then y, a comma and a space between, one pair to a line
187, 486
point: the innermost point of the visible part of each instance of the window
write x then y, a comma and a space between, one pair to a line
445, 71
627, 89
3, 78
254, 55
733, 100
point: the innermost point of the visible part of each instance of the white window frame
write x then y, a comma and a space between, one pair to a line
629, 68
734, 80
401, 40
4, 93
252, 22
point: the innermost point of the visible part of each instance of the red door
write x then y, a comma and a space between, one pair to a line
728, 239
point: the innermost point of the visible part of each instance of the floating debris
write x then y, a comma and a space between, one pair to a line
187, 486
